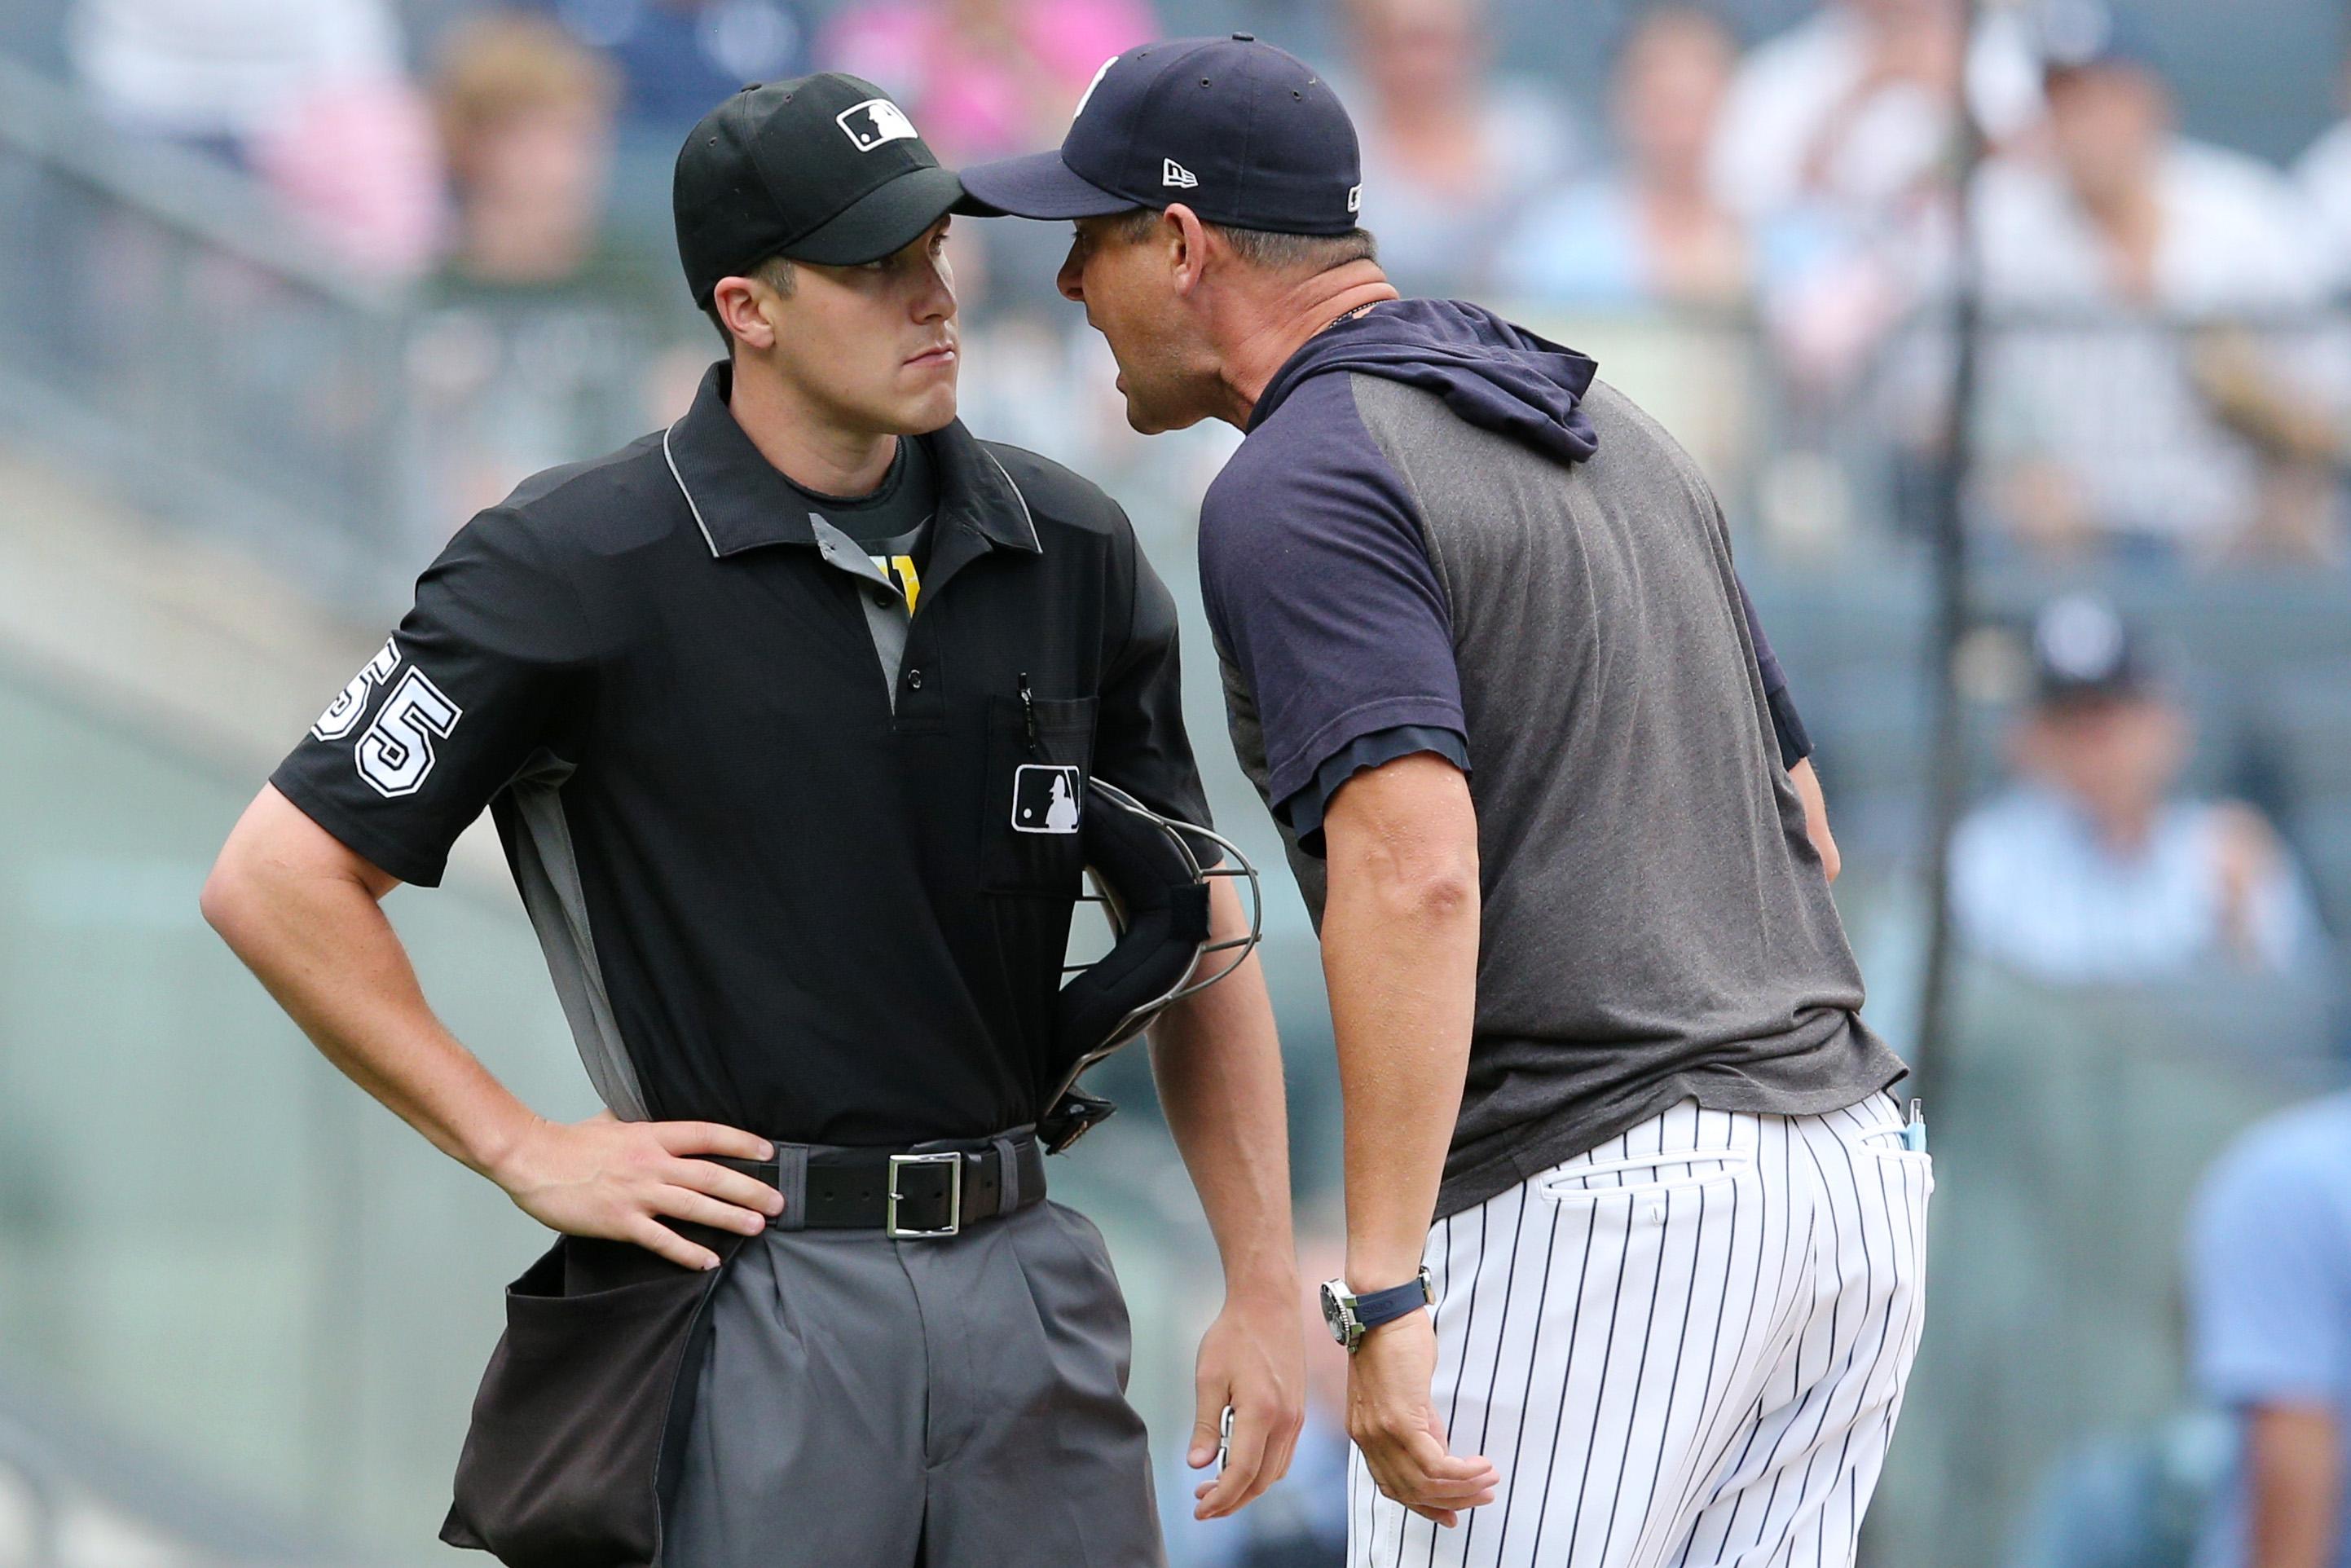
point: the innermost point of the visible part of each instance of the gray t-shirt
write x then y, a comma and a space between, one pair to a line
1440, 521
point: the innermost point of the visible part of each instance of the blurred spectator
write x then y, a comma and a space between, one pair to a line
2269, 1284
1856, 107
678, 57
2089, 869
1838, 141
309, 95
2324, 175
1651, 232
2121, 421
1451, 153
985, 79
526, 118
539, 336
2134, 1500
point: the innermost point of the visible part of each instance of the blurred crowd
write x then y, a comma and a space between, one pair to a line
2162, 386
2154, 383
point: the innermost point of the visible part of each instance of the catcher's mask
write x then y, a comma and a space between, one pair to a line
1148, 877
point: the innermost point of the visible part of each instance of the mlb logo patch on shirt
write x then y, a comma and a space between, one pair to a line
1044, 799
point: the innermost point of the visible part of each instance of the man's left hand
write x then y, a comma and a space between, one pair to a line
1395, 1423
1253, 1358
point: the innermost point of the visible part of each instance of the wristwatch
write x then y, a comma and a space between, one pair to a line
1352, 1316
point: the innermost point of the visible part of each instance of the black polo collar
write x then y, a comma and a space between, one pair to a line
740, 502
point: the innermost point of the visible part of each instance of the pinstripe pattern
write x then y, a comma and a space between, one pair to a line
1684, 1348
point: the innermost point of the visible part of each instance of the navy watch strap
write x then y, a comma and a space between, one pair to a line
1387, 1306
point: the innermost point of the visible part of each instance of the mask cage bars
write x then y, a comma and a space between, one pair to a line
1236, 866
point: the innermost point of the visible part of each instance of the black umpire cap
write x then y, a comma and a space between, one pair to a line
822, 168
1241, 132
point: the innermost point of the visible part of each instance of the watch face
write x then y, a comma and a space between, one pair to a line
1334, 1311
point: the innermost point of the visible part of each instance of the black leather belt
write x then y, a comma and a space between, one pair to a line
915, 1194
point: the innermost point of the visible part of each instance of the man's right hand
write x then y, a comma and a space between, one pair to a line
620, 1180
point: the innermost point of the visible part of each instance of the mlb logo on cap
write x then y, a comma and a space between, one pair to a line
822, 168
874, 122
1045, 799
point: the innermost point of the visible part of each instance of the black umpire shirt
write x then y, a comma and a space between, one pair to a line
766, 898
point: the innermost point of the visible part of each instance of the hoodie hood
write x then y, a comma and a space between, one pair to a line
1498, 376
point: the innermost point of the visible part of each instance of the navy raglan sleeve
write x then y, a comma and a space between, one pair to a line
489, 667
1322, 594
1787, 724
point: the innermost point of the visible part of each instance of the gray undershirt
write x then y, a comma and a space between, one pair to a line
880, 539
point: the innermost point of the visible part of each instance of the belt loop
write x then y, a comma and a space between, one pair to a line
791, 1180
1007, 1177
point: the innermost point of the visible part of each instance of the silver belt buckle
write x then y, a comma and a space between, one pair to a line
890, 1225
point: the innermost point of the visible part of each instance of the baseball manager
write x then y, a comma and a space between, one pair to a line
1487, 662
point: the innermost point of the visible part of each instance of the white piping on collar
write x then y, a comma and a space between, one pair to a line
1027, 517
671, 458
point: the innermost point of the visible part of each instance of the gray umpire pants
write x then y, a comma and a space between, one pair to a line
957, 1403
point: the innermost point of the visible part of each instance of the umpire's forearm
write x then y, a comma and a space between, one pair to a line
1400, 956
301, 912
1218, 1066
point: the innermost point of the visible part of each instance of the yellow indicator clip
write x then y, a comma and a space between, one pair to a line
900, 571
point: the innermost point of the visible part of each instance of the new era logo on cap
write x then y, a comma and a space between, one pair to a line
1171, 172
875, 122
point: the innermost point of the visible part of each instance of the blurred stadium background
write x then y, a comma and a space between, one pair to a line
288, 287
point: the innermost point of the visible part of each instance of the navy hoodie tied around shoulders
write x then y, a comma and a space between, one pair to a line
1498, 376
1313, 566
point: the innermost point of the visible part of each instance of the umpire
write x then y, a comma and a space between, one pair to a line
786, 715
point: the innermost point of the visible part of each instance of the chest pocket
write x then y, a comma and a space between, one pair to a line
1033, 793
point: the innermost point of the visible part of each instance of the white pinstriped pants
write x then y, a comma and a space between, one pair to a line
1685, 1349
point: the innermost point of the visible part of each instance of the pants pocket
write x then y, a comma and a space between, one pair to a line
1647, 1176
1886, 1144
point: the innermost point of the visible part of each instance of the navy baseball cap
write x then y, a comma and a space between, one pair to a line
2089, 34
2083, 650
1241, 132
822, 168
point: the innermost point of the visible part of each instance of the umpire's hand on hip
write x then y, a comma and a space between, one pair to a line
620, 1180
1395, 1423
1253, 1358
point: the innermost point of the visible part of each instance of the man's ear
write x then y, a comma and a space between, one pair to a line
1187, 239
737, 301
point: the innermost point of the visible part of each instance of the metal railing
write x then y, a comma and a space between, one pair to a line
167, 326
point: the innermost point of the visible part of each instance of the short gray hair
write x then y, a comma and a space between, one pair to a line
1286, 252
777, 272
